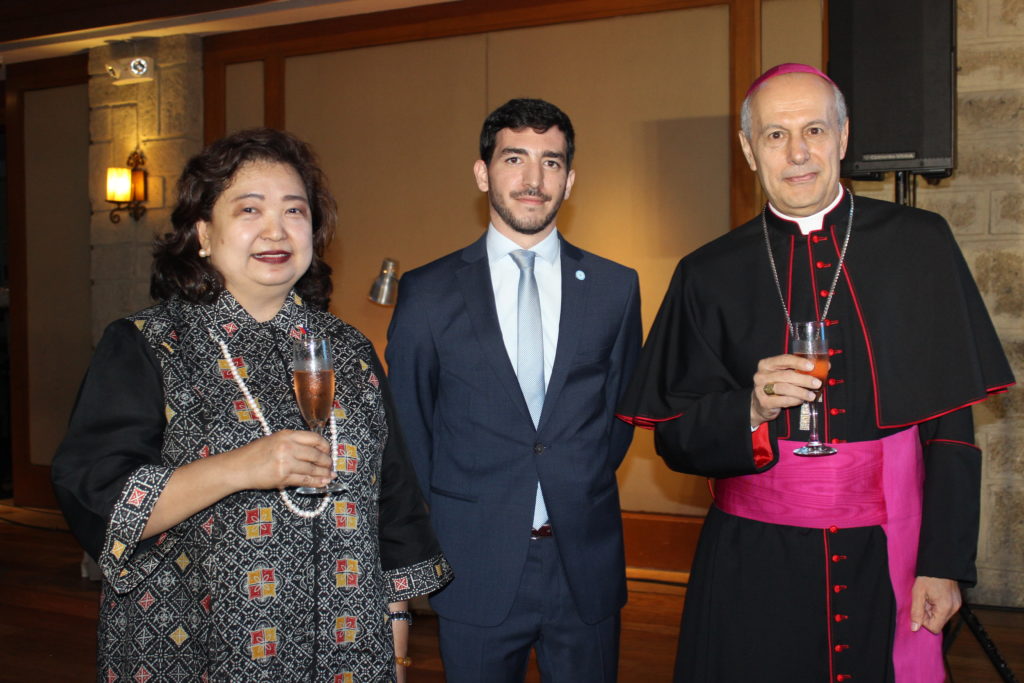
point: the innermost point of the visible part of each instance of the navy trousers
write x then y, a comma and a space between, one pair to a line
544, 617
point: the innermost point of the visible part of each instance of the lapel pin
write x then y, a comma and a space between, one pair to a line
580, 275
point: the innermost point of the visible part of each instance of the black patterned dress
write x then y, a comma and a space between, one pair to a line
244, 590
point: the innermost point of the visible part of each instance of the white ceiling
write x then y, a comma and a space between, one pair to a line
274, 13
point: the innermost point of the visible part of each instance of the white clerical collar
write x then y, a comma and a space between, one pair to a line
809, 224
499, 246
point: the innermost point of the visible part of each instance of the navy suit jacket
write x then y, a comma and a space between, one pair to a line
476, 451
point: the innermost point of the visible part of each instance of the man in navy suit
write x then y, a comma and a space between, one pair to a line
508, 408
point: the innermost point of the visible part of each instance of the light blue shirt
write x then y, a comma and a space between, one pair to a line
547, 269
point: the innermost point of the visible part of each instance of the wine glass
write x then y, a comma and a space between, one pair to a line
313, 379
810, 341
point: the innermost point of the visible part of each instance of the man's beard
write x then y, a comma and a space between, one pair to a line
524, 227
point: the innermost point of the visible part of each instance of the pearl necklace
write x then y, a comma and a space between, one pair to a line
258, 412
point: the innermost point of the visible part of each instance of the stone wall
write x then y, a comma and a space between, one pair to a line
162, 117
984, 203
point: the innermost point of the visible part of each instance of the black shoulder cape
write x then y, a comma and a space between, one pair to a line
932, 346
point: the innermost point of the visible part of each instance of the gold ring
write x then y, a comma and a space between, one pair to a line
769, 389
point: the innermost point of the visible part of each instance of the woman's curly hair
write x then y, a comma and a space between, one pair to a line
177, 266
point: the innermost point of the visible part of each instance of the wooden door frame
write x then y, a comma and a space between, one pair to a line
32, 485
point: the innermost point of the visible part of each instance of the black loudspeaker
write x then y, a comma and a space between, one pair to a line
895, 60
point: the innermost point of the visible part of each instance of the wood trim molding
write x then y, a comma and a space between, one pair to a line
24, 19
824, 36
745, 50
273, 92
664, 543
215, 117
425, 22
31, 482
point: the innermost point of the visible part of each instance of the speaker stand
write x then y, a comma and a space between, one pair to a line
906, 188
966, 616
906, 194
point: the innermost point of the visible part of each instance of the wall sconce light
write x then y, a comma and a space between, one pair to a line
126, 187
384, 290
131, 70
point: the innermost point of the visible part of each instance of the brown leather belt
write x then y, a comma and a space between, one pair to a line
543, 532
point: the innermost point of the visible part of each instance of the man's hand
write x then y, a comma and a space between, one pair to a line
787, 386
933, 602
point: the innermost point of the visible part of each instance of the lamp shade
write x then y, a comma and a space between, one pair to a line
384, 290
119, 184
138, 185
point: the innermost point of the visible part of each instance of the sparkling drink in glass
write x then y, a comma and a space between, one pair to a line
810, 340
313, 381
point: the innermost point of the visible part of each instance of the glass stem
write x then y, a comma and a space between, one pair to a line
813, 435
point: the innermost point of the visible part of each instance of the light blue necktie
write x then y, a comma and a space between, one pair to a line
530, 354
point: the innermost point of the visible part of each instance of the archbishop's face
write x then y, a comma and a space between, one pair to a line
796, 143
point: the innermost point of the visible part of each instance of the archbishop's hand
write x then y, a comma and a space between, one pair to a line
932, 602
786, 386
285, 458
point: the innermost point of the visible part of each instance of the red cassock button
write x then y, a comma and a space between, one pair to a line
834, 352
822, 264
844, 677
833, 381
838, 440
840, 648
823, 293
830, 323
836, 411
819, 238
832, 529
841, 617
838, 588
838, 558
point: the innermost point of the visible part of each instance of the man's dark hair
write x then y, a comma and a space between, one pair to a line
177, 267
526, 113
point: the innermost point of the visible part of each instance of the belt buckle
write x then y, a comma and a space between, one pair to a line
544, 531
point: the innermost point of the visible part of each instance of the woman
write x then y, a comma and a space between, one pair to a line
213, 571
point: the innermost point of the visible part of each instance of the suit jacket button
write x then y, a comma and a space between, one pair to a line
538, 448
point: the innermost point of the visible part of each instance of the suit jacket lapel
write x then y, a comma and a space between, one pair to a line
573, 314
474, 278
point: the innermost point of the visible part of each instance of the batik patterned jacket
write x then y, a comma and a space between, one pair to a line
244, 590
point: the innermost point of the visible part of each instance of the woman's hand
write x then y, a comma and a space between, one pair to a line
400, 635
283, 459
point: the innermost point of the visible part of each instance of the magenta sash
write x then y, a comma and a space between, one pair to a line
866, 483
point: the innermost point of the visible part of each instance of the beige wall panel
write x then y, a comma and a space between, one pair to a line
648, 96
396, 128
243, 95
791, 31
57, 215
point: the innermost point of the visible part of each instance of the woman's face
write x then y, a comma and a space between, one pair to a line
260, 236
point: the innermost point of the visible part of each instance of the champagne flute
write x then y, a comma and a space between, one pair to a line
313, 380
810, 341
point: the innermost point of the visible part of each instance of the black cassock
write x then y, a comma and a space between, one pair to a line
911, 344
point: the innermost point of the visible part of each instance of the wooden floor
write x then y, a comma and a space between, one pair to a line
48, 618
